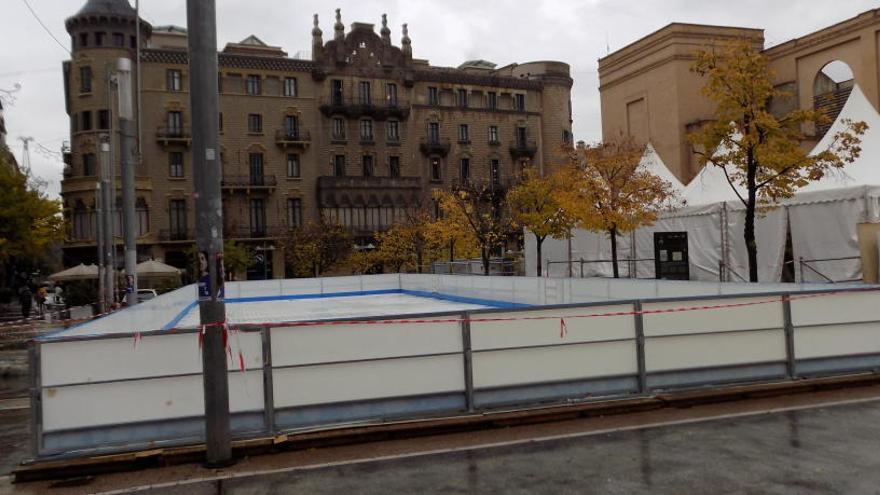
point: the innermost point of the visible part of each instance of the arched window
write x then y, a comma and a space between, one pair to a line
831, 88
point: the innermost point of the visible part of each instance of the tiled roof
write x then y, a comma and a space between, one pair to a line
227, 60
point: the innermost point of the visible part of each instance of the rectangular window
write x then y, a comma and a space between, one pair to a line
291, 126
519, 102
255, 162
252, 85
290, 88
364, 92
86, 121
294, 212
220, 121
462, 97
392, 131
173, 80
433, 96
132, 42
339, 165
391, 94
368, 165
83, 39
338, 128
89, 165
566, 136
175, 164
177, 218
394, 166
255, 123
495, 172
435, 170
118, 39
493, 134
293, 166
99, 38
463, 133
521, 136
433, 132
492, 100
366, 130
103, 119
175, 123
85, 79
464, 170
336, 92
258, 217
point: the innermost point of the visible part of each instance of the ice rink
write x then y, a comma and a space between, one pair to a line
329, 308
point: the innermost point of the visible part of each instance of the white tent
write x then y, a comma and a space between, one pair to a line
653, 163
822, 218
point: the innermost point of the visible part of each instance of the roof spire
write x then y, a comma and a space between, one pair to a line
406, 43
339, 28
317, 39
386, 32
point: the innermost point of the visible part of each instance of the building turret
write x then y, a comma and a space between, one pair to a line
317, 40
339, 28
385, 32
406, 44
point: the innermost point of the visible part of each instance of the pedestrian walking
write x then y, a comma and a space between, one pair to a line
26, 299
42, 295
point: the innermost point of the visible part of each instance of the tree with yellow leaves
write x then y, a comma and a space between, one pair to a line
609, 190
316, 247
757, 150
536, 205
480, 210
31, 222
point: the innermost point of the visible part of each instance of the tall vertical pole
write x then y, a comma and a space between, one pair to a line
107, 190
127, 138
99, 236
204, 97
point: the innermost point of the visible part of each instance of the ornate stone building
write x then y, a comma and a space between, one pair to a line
358, 133
649, 92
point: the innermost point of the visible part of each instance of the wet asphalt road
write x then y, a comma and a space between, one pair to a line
827, 450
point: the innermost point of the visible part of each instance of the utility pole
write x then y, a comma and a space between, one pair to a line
106, 219
201, 19
127, 138
99, 227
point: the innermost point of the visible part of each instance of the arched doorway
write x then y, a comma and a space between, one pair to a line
831, 89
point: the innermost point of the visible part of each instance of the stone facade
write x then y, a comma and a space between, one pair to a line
648, 91
358, 133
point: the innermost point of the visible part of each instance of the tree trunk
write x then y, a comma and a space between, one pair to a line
484, 254
539, 241
419, 261
451, 250
749, 234
613, 233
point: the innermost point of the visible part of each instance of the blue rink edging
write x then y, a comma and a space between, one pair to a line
428, 295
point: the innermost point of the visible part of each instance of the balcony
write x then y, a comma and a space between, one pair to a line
359, 182
355, 108
249, 183
499, 185
524, 148
172, 135
291, 138
176, 235
263, 232
434, 146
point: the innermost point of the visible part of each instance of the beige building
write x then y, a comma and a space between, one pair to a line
357, 133
649, 92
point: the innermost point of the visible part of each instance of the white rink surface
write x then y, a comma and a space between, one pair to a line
328, 308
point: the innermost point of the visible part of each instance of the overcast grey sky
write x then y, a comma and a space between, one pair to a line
446, 32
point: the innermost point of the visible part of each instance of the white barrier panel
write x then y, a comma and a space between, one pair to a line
524, 332
82, 406
836, 325
746, 334
702, 351
553, 364
372, 380
334, 343
107, 360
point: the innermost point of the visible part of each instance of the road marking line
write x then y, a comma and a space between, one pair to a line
493, 445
